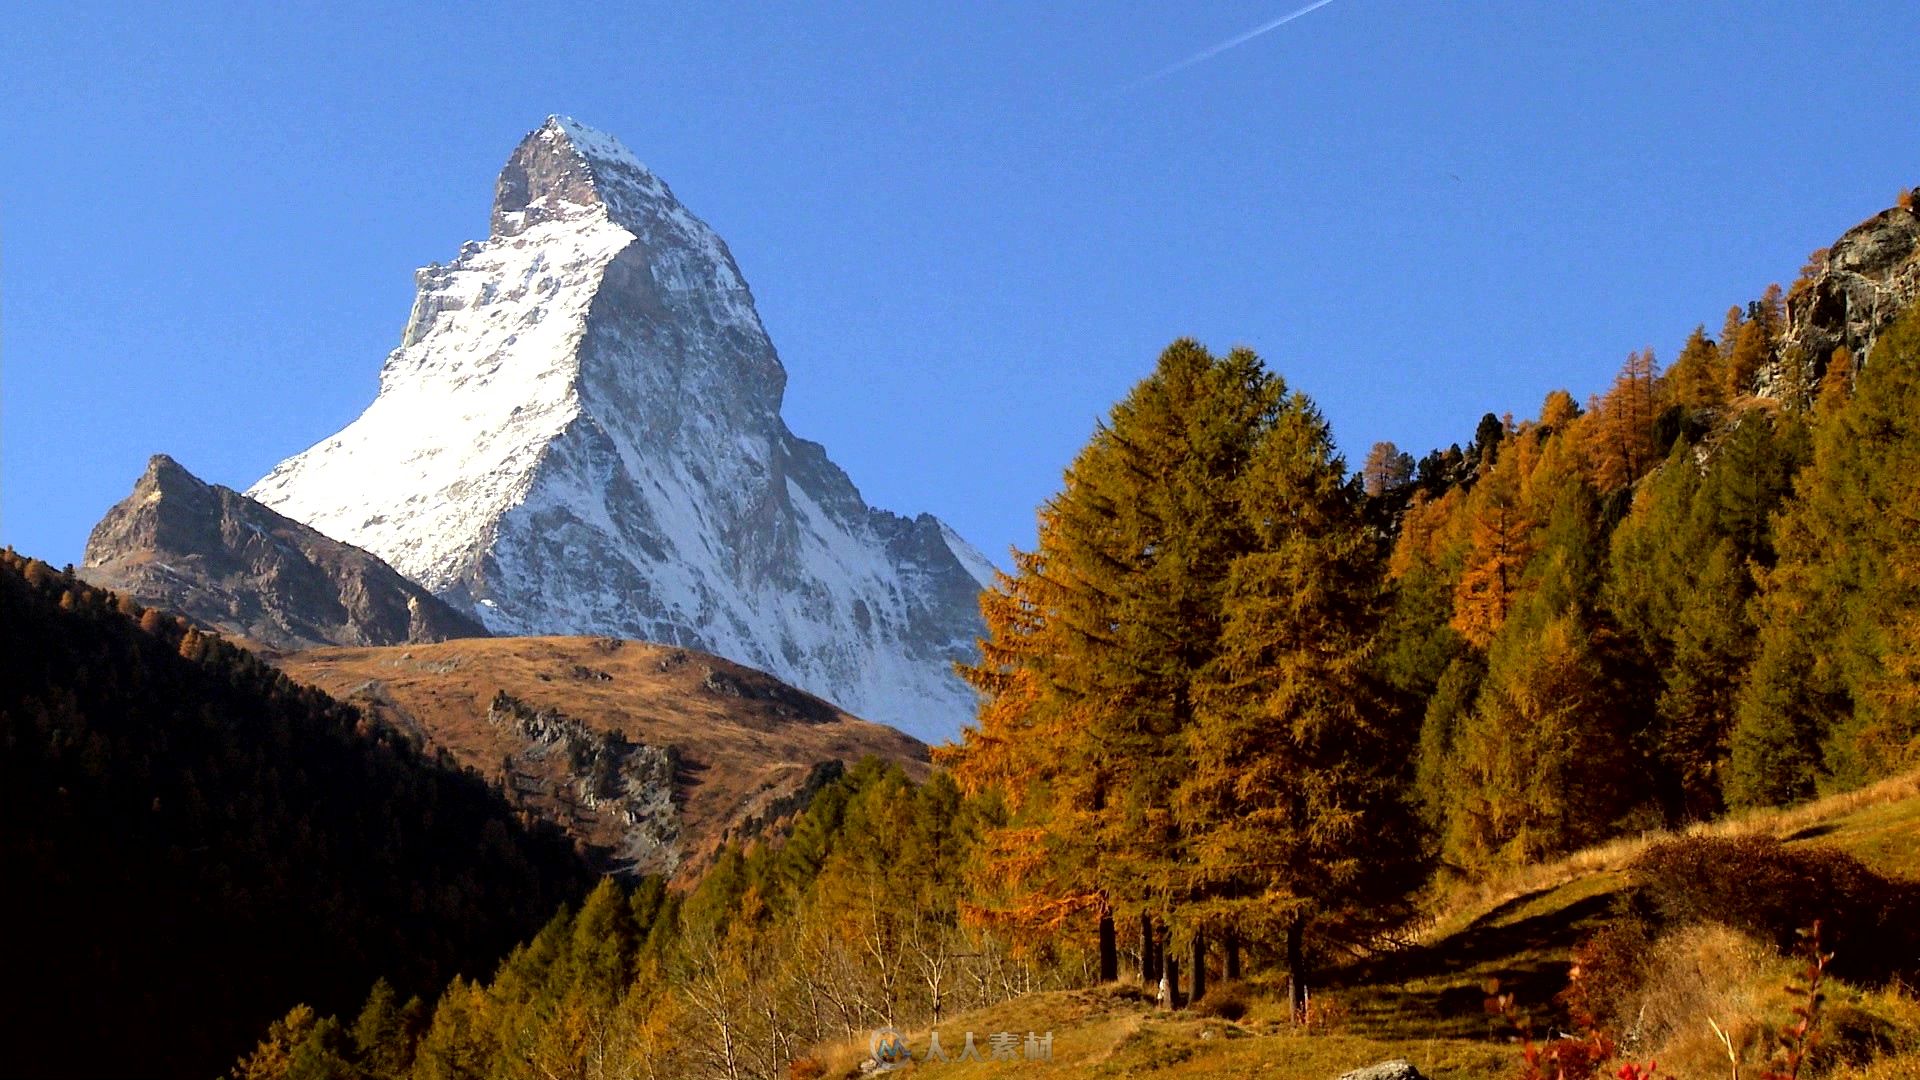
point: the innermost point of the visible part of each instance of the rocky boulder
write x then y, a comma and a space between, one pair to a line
1397, 1069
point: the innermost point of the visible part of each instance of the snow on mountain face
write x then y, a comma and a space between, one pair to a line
581, 434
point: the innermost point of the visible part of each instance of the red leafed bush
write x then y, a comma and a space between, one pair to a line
1608, 970
1578, 1058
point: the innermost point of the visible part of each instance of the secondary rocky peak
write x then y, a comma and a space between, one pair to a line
218, 557
167, 477
169, 507
162, 469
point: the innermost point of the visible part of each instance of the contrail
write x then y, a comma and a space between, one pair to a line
1233, 42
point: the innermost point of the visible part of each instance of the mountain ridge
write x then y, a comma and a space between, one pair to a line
222, 559
193, 843
649, 756
580, 434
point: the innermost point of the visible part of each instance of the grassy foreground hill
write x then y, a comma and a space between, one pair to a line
1428, 1003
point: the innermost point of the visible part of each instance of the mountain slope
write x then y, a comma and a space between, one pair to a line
191, 844
229, 563
1426, 1001
648, 755
580, 433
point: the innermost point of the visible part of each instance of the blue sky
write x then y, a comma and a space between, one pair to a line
969, 227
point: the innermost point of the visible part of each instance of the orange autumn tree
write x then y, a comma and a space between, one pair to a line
1431, 532
1619, 427
1750, 344
1098, 643
1174, 684
1836, 382
1294, 806
1033, 882
1695, 381
1500, 542
1525, 747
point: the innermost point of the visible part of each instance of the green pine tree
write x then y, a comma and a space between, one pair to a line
1447, 712
386, 1032
1293, 806
1712, 647
1541, 763
1828, 685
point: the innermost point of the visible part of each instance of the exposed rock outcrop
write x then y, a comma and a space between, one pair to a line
625, 746
1852, 291
569, 771
218, 557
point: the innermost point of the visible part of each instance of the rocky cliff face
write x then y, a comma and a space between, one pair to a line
571, 773
1853, 290
224, 560
580, 433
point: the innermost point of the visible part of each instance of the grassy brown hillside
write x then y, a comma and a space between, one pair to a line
649, 755
1428, 1005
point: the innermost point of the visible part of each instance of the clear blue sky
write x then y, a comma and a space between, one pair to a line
969, 227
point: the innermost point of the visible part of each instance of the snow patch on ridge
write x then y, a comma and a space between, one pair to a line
594, 143
978, 566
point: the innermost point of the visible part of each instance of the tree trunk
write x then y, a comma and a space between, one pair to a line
1165, 964
1199, 967
1233, 955
1149, 960
1109, 948
1297, 968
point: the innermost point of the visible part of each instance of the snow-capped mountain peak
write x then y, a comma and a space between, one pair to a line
581, 433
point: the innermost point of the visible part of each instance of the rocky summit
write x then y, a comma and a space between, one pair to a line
580, 433
229, 563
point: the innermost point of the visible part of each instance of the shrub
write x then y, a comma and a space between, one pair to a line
1770, 890
1608, 971
1227, 1000
1581, 1057
1898, 1067
1711, 998
1851, 1035
1707, 972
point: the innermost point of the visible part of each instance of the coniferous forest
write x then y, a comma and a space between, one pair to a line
1244, 707
1248, 711
188, 840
